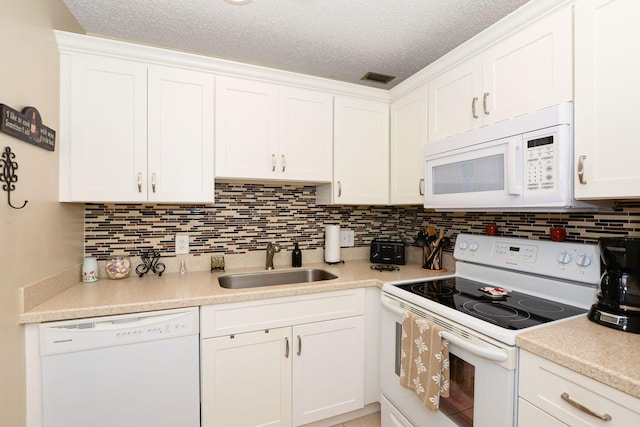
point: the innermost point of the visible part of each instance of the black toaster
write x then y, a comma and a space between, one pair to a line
387, 252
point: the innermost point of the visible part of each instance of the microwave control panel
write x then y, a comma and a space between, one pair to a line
540, 156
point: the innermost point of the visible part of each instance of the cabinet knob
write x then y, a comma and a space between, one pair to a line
421, 186
581, 160
581, 407
299, 345
286, 347
153, 182
339, 189
273, 163
284, 163
485, 103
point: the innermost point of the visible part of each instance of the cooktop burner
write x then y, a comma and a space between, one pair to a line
514, 310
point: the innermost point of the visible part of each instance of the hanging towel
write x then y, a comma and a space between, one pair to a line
424, 360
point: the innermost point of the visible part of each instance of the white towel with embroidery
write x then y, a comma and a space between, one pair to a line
424, 360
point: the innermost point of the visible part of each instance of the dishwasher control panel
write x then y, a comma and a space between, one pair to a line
86, 334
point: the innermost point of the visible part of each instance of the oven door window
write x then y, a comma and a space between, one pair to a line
458, 407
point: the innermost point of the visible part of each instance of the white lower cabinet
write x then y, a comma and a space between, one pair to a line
552, 395
279, 375
246, 379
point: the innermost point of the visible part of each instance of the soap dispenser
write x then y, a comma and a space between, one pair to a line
296, 256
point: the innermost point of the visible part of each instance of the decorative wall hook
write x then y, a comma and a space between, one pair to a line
9, 176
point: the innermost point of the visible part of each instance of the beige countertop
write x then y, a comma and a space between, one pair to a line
604, 354
171, 290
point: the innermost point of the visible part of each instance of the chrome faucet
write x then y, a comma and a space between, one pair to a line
271, 251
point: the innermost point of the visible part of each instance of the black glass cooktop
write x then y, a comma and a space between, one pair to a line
514, 310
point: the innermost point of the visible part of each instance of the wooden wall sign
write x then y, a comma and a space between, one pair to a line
27, 126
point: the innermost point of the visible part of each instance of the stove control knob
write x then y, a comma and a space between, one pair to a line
474, 246
564, 258
583, 260
463, 245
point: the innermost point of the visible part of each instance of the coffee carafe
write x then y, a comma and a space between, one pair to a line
618, 304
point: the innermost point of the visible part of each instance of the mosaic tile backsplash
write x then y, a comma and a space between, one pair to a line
245, 217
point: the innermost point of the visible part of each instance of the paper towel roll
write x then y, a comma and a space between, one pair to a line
332, 243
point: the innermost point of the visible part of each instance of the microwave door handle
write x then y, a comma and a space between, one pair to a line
514, 168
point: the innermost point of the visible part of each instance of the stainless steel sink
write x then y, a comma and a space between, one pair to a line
269, 278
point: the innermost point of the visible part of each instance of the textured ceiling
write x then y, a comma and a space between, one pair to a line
336, 39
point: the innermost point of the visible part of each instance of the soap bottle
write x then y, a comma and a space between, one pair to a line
296, 256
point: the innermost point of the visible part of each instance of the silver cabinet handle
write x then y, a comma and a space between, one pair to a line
566, 398
474, 101
421, 186
485, 103
273, 163
153, 182
299, 345
339, 189
139, 182
286, 347
284, 163
581, 160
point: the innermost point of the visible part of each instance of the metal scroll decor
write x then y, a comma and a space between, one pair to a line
150, 263
9, 177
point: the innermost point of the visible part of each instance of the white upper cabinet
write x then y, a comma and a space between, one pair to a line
103, 152
607, 88
361, 153
270, 132
180, 135
134, 133
527, 71
408, 136
453, 102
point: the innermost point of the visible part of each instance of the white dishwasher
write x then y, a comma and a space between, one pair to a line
127, 370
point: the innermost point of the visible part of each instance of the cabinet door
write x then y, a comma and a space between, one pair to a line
455, 100
361, 152
246, 128
107, 141
529, 70
305, 137
408, 136
328, 369
607, 88
246, 379
180, 146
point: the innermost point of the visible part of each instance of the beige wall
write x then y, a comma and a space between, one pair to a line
45, 237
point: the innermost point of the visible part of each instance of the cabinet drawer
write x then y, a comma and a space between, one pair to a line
543, 383
234, 318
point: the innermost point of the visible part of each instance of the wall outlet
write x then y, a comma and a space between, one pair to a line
347, 238
182, 244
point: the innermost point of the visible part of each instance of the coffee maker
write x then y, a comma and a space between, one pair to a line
618, 304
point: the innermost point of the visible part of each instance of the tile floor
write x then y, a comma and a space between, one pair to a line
372, 420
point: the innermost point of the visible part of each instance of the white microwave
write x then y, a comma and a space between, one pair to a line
521, 164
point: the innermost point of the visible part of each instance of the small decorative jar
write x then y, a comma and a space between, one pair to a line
90, 270
117, 267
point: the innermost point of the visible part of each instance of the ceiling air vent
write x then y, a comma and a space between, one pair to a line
378, 78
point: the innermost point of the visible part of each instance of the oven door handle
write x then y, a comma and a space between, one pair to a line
487, 353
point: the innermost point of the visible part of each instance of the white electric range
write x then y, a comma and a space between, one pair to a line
501, 287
